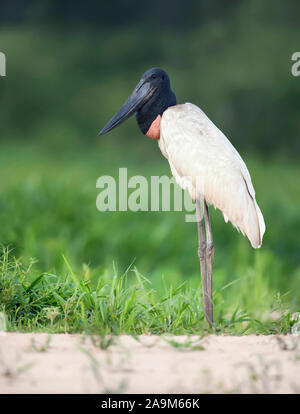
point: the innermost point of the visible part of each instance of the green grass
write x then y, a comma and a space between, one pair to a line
105, 302
136, 272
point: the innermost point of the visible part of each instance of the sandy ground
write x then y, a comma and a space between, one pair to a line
62, 363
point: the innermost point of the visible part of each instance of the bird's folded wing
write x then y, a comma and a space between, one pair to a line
204, 161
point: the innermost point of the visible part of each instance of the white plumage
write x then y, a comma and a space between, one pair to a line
204, 161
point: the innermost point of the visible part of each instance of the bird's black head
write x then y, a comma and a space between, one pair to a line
157, 78
151, 97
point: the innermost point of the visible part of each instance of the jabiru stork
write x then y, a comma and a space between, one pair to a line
202, 160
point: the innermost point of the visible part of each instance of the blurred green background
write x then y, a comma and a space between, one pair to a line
71, 64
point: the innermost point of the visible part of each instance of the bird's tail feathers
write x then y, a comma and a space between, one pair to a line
255, 225
251, 223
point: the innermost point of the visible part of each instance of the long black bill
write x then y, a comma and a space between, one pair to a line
141, 94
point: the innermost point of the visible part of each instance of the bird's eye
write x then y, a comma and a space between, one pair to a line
153, 76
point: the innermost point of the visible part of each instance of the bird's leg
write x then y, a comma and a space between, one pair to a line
209, 261
202, 259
